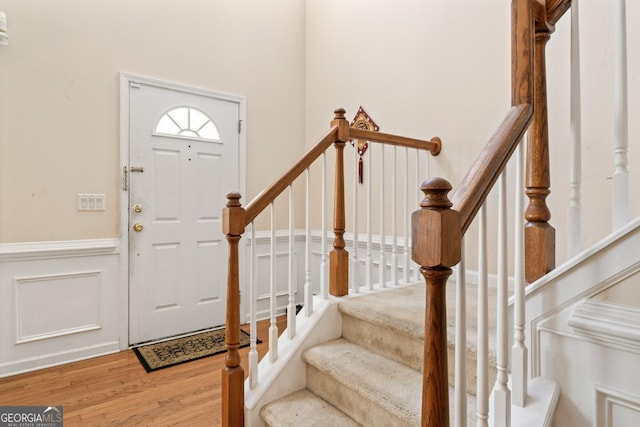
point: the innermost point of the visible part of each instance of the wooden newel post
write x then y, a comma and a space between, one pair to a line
521, 52
539, 234
437, 240
233, 224
339, 257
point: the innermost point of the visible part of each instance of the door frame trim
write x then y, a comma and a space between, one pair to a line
125, 80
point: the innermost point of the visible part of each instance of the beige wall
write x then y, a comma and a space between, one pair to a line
421, 68
626, 292
441, 67
59, 86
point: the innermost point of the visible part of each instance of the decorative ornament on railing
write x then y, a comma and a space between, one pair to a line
362, 120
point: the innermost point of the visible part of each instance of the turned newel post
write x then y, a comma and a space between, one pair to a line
436, 236
539, 235
339, 257
233, 221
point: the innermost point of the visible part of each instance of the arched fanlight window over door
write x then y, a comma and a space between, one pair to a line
187, 122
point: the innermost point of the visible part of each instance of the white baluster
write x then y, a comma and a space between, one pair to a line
291, 308
423, 178
620, 213
308, 287
324, 287
369, 264
501, 392
273, 327
383, 261
419, 179
253, 324
394, 218
574, 217
460, 403
482, 374
353, 273
519, 372
407, 219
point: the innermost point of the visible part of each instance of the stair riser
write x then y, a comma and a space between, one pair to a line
384, 341
350, 401
471, 371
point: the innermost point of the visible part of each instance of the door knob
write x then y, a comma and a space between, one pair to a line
137, 208
138, 227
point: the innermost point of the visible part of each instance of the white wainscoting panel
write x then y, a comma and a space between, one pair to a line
59, 302
615, 408
586, 345
56, 305
263, 260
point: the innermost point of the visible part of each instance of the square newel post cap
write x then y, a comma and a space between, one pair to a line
341, 122
233, 216
436, 228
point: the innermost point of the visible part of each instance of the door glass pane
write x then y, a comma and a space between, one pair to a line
189, 122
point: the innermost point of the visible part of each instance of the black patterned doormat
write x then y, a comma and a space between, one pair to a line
173, 352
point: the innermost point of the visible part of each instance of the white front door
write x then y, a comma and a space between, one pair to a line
184, 158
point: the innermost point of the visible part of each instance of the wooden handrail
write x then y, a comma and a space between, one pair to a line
478, 182
556, 9
434, 145
269, 194
549, 12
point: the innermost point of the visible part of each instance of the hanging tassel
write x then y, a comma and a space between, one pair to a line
360, 170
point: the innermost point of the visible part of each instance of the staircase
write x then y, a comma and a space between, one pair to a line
387, 357
372, 374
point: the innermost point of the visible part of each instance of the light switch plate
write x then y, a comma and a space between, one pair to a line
91, 202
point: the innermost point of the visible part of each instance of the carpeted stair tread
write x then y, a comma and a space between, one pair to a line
400, 309
385, 392
304, 409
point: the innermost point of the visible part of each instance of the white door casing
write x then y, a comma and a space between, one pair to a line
177, 262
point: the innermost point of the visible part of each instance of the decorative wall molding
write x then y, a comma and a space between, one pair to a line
584, 257
41, 295
264, 237
608, 324
578, 287
60, 249
615, 408
278, 295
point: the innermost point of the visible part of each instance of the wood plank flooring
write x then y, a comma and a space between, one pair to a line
115, 390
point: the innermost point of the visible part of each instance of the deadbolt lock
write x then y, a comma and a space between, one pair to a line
137, 208
138, 227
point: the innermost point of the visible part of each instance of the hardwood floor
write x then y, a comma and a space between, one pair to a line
115, 390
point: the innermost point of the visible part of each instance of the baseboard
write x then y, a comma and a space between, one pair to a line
56, 359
